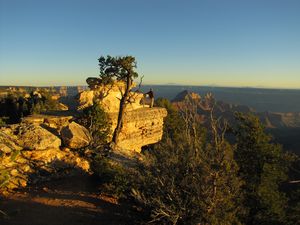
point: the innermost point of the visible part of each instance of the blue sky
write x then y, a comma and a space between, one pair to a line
198, 42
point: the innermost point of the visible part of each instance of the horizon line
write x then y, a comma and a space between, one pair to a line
168, 84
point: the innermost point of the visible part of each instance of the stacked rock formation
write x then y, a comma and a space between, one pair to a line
141, 125
108, 96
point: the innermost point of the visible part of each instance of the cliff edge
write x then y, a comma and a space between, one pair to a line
142, 125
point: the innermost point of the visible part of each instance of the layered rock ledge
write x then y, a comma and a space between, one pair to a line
141, 127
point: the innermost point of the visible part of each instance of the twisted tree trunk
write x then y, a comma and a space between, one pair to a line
122, 110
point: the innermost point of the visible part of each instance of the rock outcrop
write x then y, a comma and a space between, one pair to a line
186, 95
29, 150
141, 125
109, 97
93, 82
56, 122
85, 99
75, 136
46, 144
35, 137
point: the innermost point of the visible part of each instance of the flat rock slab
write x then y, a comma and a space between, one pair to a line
37, 138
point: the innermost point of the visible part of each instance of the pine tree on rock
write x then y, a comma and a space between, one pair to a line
120, 69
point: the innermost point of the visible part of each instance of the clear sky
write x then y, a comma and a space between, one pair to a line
198, 42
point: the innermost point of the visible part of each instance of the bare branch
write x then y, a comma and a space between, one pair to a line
294, 181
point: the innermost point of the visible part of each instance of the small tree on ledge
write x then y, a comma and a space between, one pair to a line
120, 69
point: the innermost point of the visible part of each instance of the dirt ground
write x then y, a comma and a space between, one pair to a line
68, 201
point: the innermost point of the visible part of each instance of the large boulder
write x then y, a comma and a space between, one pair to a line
35, 137
75, 136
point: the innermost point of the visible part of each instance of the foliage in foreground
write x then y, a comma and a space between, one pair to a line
115, 178
173, 123
14, 106
188, 178
263, 167
6, 170
258, 195
97, 122
190, 182
292, 190
2, 122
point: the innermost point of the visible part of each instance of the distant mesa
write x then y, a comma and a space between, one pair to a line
185, 95
225, 110
193, 99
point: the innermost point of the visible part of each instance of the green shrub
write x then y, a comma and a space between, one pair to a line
2, 122
113, 176
96, 120
173, 123
45, 104
116, 180
292, 189
263, 168
5, 176
189, 183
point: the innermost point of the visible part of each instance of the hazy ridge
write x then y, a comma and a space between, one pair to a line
273, 100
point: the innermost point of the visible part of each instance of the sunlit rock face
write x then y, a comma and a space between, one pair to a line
141, 125
109, 97
35, 137
49, 143
31, 137
50, 121
29, 149
85, 99
75, 136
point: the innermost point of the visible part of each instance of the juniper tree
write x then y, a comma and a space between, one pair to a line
189, 180
263, 168
173, 123
120, 69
